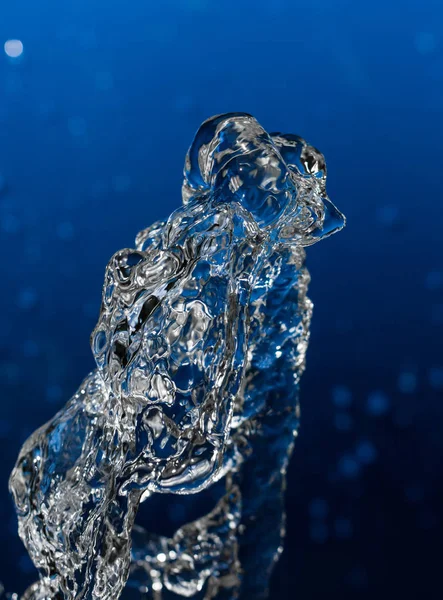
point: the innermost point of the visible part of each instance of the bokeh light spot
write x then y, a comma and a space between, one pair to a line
318, 532
77, 126
343, 528
407, 382
348, 466
343, 422
366, 452
436, 378
425, 42
13, 48
318, 508
378, 403
341, 396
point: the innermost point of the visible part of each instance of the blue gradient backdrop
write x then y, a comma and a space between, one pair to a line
95, 120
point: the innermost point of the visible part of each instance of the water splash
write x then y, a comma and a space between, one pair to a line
199, 346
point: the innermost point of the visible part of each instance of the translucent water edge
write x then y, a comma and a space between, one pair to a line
199, 346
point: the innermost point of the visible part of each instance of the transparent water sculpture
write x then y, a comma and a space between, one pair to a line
191, 415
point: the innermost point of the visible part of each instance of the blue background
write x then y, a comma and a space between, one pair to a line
95, 120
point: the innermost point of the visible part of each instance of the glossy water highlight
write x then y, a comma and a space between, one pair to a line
199, 346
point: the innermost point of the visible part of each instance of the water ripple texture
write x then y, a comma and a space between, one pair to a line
199, 346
